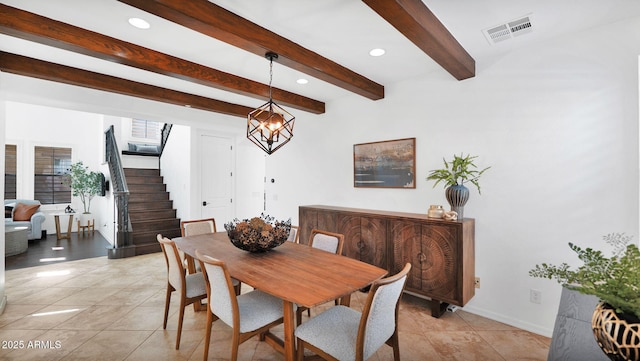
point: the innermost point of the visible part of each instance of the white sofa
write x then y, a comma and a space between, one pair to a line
34, 225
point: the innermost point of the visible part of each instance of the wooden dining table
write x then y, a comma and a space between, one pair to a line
297, 274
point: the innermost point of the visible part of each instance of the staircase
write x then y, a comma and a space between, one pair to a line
150, 209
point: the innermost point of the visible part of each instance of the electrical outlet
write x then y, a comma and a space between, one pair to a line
535, 296
477, 282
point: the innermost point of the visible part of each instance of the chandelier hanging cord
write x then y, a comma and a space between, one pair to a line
271, 56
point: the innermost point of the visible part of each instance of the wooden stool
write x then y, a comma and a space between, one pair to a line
90, 227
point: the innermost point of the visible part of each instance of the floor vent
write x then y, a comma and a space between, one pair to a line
511, 29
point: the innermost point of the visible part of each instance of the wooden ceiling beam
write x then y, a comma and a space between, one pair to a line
22, 65
416, 22
212, 20
25, 25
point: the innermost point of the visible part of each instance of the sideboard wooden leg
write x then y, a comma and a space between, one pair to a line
438, 308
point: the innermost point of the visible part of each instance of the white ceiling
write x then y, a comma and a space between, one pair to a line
341, 30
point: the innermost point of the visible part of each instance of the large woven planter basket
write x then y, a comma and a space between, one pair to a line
618, 338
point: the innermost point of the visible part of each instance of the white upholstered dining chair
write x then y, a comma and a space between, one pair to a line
197, 227
248, 314
342, 333
294, 234
326, 241
190, 287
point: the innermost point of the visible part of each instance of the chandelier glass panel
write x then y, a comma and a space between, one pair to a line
270, 126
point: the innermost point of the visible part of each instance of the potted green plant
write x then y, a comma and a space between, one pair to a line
85, 184
615, 280
454, 174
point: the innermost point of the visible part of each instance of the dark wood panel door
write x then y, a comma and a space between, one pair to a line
364, 238
327, 221
407, 241
439, 266
372, 246
308, 218
349, 226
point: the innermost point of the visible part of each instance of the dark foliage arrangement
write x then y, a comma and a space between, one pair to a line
258, 234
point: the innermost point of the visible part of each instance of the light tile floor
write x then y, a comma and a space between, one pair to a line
101, 309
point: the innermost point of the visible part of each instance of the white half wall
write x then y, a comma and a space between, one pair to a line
176, 168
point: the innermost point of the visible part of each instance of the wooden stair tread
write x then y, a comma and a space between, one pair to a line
151, 209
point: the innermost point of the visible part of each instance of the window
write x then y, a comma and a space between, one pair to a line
51, 167
146, 129
10, 171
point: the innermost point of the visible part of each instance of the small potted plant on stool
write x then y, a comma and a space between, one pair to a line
85, 184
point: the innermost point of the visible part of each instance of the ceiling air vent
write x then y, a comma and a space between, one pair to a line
502, 32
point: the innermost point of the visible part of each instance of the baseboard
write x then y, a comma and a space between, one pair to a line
547, 332
121, 252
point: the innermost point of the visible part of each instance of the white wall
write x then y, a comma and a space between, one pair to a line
181, 164
248, 170
29, 126
558, 124
175, 168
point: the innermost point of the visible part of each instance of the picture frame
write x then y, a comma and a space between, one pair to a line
385, 164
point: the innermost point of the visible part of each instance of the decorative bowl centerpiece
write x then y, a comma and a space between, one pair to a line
258, 234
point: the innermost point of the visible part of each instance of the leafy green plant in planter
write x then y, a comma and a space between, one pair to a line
615, 280
454, 174
84, 183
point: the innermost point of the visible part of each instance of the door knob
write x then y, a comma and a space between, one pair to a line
204, 203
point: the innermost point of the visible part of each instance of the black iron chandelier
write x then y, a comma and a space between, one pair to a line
270, 126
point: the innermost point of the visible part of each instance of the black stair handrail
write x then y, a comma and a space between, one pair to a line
164, 136
120, 190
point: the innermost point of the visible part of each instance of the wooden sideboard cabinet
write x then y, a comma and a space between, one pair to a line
441, 252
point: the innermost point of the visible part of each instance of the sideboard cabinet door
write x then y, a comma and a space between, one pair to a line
439, 267
365, 238
308, 218
434, 251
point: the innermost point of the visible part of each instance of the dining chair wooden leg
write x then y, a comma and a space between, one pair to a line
300, 350
207, 335
395, 343
166, 305
299, 317
345, 301
235, 344
180, 319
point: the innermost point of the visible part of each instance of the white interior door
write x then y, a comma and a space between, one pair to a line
216, 179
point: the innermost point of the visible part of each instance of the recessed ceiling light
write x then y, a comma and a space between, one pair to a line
302, 81
139, 23
377, 52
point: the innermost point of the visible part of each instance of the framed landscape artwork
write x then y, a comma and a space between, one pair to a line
388, 164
